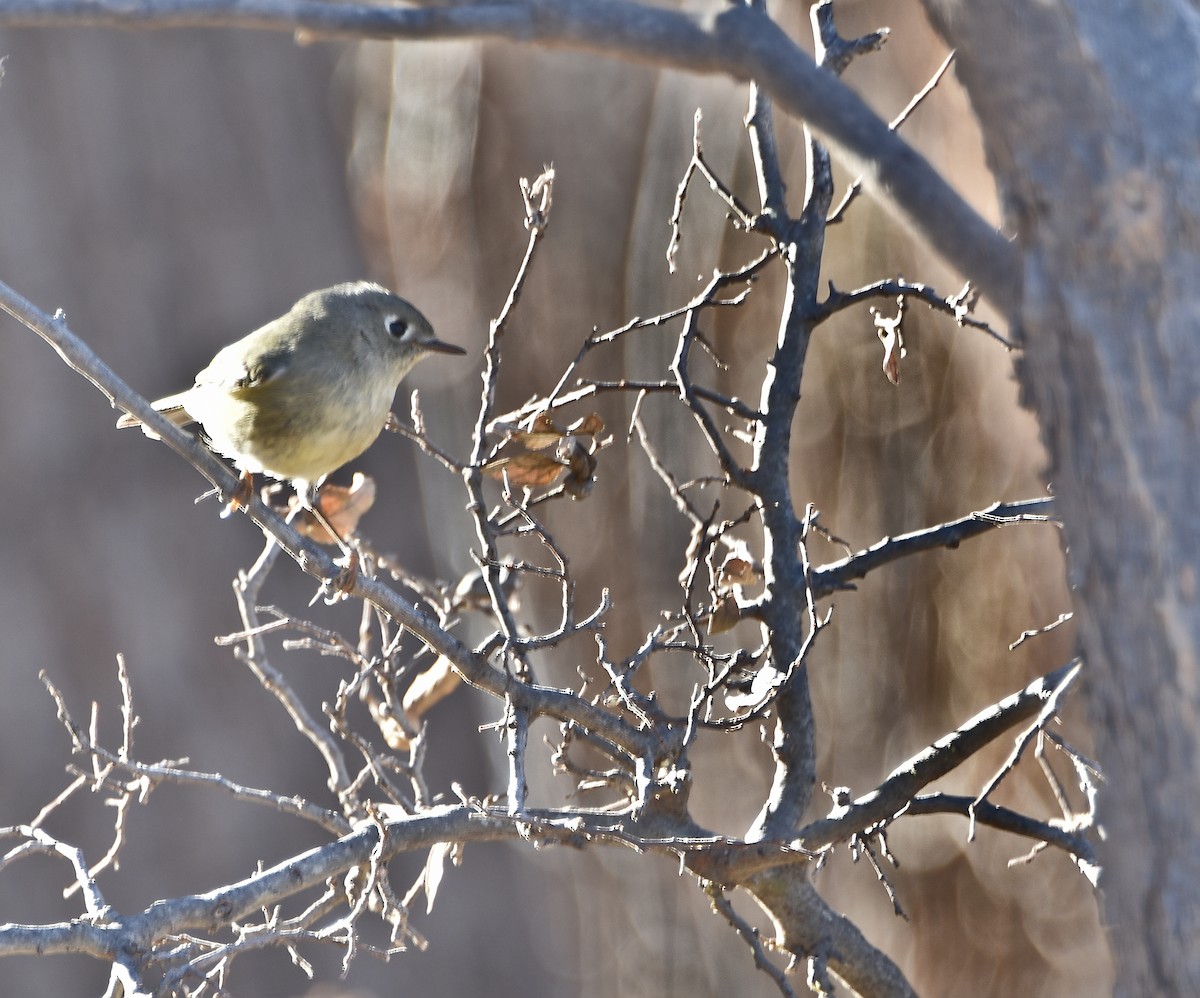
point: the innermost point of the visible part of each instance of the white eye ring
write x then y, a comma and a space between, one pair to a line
397, 326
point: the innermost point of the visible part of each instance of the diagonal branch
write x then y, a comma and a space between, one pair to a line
739, 41
840, 574
538, 700
947, 753
740, 862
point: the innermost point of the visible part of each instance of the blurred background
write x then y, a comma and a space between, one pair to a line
173, 190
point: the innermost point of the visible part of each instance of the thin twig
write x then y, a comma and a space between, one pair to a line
958, 306
722, 906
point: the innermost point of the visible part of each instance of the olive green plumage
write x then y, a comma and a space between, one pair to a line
311, 390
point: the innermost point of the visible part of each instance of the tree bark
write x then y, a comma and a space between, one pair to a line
1090, 118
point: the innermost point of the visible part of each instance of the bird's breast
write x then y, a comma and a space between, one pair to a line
296, 431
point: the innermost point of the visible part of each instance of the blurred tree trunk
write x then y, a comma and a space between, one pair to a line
1090, 116
442, 133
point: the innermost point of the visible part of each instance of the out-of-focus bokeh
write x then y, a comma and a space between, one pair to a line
172, 190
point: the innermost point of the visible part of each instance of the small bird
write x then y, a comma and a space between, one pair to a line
309, 391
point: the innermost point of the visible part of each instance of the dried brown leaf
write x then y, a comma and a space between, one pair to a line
737, 572
431, 686
893, 353
725, 615
435, 866
393, 731
342, 506
582, 462
527, 470
590, 426
891, 335
542, 434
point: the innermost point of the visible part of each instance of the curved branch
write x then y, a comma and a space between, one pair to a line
106, 935
740, 42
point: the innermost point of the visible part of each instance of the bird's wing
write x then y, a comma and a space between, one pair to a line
230, 371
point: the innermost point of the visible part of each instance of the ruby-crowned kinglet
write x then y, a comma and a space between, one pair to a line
310, 390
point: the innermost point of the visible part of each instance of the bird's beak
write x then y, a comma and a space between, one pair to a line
437, 346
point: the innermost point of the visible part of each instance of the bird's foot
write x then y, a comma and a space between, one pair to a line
243, 493
342, 584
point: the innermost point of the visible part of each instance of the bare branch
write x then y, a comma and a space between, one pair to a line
1006, 820
893, 795
723, 907
317, 562
1024, 636
958, 306
254, 655
36, 840
740, 41
538, 199
613, 733
839, 574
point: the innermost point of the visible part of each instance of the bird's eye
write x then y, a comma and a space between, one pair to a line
397, 327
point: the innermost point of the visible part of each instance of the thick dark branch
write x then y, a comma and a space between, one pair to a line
958, 307
208, 913
787, 592
839, 574
738, 41
946, 754
808, 927
736, 863
1006, 820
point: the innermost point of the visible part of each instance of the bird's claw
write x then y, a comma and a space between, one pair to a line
243, 494
340, 586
